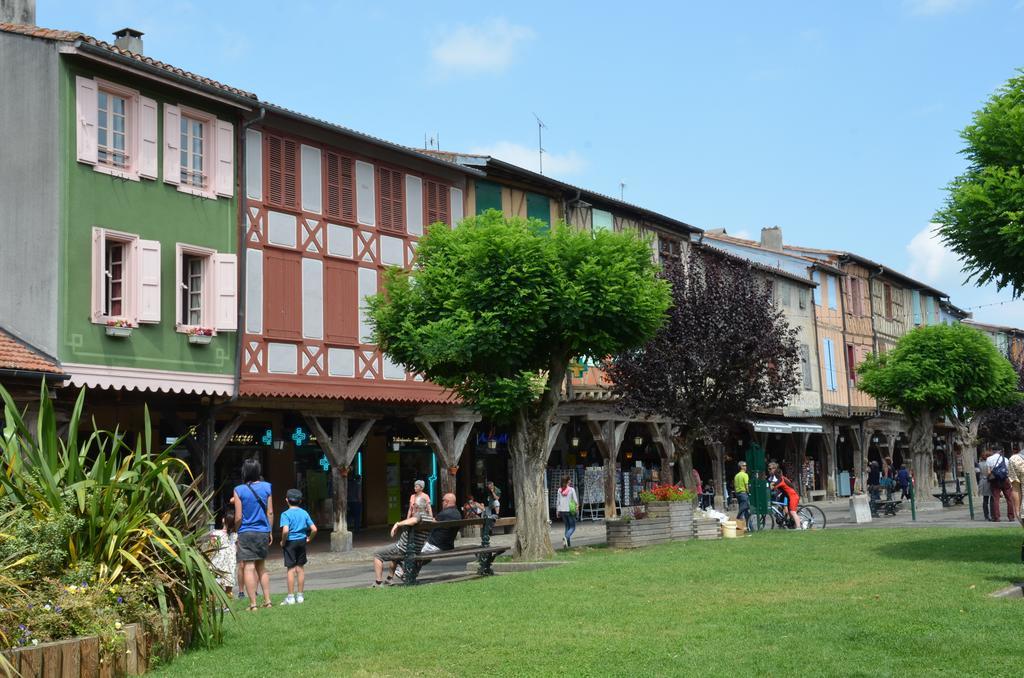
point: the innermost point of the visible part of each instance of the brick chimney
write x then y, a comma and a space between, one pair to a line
18, 12
129, 40
771, 238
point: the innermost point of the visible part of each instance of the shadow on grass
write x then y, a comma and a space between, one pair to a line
968, 546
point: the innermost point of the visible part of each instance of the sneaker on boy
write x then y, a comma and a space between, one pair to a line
297, 530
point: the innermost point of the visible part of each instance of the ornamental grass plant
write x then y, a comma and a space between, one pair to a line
98, 531
667, 492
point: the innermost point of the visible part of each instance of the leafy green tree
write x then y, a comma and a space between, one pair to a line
496, 308
939, 371
983, 218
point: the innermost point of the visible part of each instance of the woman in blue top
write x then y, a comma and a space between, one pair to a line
254, 504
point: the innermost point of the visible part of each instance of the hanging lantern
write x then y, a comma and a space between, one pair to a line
492, 444
575, 441
638, 441
395, 445
629, 454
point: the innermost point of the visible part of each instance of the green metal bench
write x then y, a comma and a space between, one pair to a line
485, 553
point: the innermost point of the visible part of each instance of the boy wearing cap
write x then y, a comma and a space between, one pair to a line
297, 530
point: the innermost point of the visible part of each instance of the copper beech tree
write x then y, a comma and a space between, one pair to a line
495, 309
725, 351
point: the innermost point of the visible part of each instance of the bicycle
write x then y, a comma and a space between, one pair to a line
811, 517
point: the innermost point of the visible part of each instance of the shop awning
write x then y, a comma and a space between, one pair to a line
784, 427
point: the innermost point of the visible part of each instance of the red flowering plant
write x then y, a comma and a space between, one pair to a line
200, 331
667, 493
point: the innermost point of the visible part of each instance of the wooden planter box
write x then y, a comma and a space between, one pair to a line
631, 534
83, 657
122, 332
706, 528
679, 514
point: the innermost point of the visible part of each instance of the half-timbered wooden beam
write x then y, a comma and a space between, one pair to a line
608, 435
447, 437
340, 448
661, 436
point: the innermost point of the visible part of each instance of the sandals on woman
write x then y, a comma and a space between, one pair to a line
252, 608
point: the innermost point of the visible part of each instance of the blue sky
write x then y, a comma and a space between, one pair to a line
836, 121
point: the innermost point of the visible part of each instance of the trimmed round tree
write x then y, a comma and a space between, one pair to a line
940, 371
495, 309
983, 218
726, 351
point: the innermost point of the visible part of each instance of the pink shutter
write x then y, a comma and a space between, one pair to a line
224, 179
147, 272
147, 138
85, 109
225, 286
99, 277
172, 143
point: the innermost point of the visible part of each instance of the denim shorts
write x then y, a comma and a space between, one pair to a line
253, 546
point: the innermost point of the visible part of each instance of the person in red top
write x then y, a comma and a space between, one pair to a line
779, 483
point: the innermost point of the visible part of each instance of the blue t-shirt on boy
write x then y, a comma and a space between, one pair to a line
254, 518
297, 521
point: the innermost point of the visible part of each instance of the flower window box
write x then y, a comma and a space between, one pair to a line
200, 335
119, 328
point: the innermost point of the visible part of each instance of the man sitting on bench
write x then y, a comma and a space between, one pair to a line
443, 538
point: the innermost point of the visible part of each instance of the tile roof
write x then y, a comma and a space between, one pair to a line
743, 242
772, 270
77, 37
15, 354
476, 159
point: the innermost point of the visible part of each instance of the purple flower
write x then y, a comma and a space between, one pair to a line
57, 609
22, 627
120, 599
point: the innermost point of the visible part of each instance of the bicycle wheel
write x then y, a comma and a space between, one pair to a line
812, 517
773, 520
757, 523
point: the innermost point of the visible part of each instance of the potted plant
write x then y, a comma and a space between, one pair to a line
638, 528
674, 503
199, 335
119, 327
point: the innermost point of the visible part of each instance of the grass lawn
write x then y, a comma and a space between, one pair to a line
838, 602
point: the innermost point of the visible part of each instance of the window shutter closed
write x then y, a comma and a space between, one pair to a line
456, 206
340, 190
98, 275
149, 280
437, 202
282, 171
391, 201
85, 108
225, 303
172, 145
224, 181
147, 138
805, 367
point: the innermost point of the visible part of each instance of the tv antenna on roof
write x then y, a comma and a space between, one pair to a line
622, 190
432, 142
540, 142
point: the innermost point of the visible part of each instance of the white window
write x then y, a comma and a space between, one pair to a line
117, 129
193, 152
125, 278
112, 129
207, 297
198, 152
192, 289
115, 274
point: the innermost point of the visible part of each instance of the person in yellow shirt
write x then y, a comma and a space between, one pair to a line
741, 485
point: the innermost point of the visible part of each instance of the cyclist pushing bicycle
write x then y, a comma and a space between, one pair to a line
779, 484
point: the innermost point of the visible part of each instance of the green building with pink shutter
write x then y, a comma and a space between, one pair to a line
120, 221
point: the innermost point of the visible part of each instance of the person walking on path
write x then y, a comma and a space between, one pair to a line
984, 488
741, 485
568, 506
998, 480
253, 502
415, 498
297, 530
903, 479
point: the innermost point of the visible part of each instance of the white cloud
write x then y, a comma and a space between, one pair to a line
930, 261
933, 7
490, 47
556, 164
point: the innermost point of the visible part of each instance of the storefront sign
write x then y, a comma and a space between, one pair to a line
268, 437
325, 464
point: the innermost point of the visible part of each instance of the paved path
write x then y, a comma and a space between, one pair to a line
354, 568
